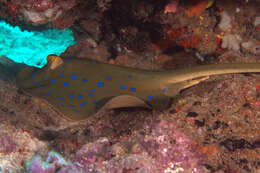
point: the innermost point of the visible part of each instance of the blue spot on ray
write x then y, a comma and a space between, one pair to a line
36, 83
84, 80
53, 80
61, 74
83, 104
133, 89
109, 78
71, 96
94, 62
76, 110
79, 96
150, 97
164, 102
70, 106
100, 84
74, 77
48, 93
66, 83
46, 78
95, 102
164, 90
59, 98
122, 86
90, 94
93, 90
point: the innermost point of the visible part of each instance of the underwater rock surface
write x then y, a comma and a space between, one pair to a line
216, 122
162, 149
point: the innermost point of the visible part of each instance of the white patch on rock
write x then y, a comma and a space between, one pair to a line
257, 21
231, 42
225, 22
33, 16
49, 13
36, 17
252, 46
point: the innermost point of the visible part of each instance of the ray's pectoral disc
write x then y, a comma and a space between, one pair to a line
79, 88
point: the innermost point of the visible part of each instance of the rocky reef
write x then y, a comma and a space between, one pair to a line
211, 127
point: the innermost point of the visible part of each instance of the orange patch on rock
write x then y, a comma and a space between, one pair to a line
153, 47
258, 28
111, 61
164, 44
192, 43
218, 40
197, 9
163, 58
160, 45
174, 33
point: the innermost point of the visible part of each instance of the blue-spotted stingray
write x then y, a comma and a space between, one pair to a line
78, 88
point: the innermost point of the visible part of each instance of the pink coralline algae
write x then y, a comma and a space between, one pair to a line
171, 149
158, 147
91, 153
38, 166
171, 7
7, 145
163, 148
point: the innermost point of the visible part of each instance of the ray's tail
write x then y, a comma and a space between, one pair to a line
208, 70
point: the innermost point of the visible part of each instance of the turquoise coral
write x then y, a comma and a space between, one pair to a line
32, 47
